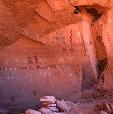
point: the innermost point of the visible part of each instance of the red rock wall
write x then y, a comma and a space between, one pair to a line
107, 37
56, 67
30, 71
51, 56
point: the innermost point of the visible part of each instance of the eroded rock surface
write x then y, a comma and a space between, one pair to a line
51, 47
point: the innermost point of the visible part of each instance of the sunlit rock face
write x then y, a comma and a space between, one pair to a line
107, 37
8, 26
91, 2
46, 48
103, 31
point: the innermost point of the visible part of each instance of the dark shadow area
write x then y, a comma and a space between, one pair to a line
88, 80
102, 61
101, 67
95, 13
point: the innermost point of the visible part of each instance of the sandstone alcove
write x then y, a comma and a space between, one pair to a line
61, 48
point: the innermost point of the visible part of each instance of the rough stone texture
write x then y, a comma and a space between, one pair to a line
34, 70
104, 3
56, 55
108, 40
8, 26
44, 10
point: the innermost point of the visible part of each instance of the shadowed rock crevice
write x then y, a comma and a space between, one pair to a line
95, 13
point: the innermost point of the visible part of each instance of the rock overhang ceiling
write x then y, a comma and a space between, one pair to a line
44, 15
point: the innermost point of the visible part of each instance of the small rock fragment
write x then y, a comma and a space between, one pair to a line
63, 106
45, 111
54, 109
49, 99
58, 113
30, 111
